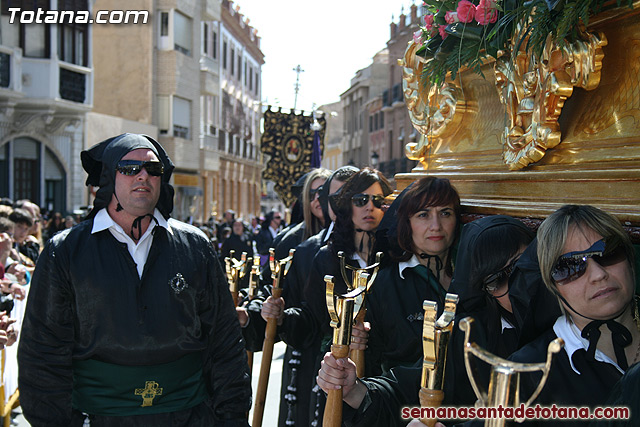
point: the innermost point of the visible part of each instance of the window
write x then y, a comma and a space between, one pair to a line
245, 73
250, 78
164, 116
181, 117
32, 38
381, 119
224, 54
205, 39
73, 37
208, 109
239, 67
182, 33
214, 47
371, 123
256, 82
164, 24
233, 61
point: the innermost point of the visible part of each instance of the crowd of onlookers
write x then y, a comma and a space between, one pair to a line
24, 229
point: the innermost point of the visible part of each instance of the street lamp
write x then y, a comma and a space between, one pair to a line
374, 159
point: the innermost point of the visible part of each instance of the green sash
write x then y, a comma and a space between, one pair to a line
101, 388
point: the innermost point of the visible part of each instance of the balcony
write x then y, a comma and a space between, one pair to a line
53, 79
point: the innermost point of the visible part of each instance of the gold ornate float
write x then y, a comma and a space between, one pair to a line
532, 135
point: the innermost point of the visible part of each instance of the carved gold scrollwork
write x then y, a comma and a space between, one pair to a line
534, 90
434, 112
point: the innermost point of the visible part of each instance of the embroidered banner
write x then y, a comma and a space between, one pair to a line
287, 140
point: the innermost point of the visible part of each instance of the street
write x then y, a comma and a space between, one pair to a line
270, 418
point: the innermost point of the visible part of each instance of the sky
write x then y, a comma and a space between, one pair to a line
331, 40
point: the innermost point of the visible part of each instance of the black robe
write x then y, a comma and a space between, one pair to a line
395, 311
87, 302
564, 386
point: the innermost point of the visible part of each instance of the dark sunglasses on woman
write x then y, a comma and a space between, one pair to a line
362, 199
313, 192
493, 282
134, 167
571, 266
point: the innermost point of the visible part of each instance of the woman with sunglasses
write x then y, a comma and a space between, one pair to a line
489, 250
587, 261
427, 228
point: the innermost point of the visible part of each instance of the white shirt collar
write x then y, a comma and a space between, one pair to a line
506, 324
412, 262
573, 341
103, 220
329, 231
361, 262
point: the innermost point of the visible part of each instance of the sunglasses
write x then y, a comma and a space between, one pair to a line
571, 266
492, 282
134, 167
313, 192
360, 200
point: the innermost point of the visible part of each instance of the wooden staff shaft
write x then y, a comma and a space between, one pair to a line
333, 408
430, 399
265, 366
250, 360
235, 295
358, 355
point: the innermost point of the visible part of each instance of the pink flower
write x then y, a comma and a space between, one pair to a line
451, 17
486, 12
466, 11
428, 22
442, 31
417, 37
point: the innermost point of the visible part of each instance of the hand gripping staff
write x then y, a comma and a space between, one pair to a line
279, 269
341, 310
236, 270
254, 279
358, 355
504, 380
435, 340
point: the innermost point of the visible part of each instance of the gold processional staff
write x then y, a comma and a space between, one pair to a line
254, 279
358, 355
435, 341
505, 375
341, 310
279, 270
236, 270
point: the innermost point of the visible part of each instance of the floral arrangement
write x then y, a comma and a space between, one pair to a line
463, 33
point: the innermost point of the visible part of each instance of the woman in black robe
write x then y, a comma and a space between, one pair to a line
586, 260
423, 240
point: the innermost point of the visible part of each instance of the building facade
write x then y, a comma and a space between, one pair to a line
240, 177
173, 76
332, 155
46, 81
396, 125
366, 84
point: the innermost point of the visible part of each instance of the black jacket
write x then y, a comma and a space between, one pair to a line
564, 386
88, 302
394, 309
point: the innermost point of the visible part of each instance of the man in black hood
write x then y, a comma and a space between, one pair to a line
129, 320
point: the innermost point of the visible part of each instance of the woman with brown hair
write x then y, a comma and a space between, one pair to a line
427, 221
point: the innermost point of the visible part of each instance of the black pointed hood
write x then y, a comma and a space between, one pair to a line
100, 163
